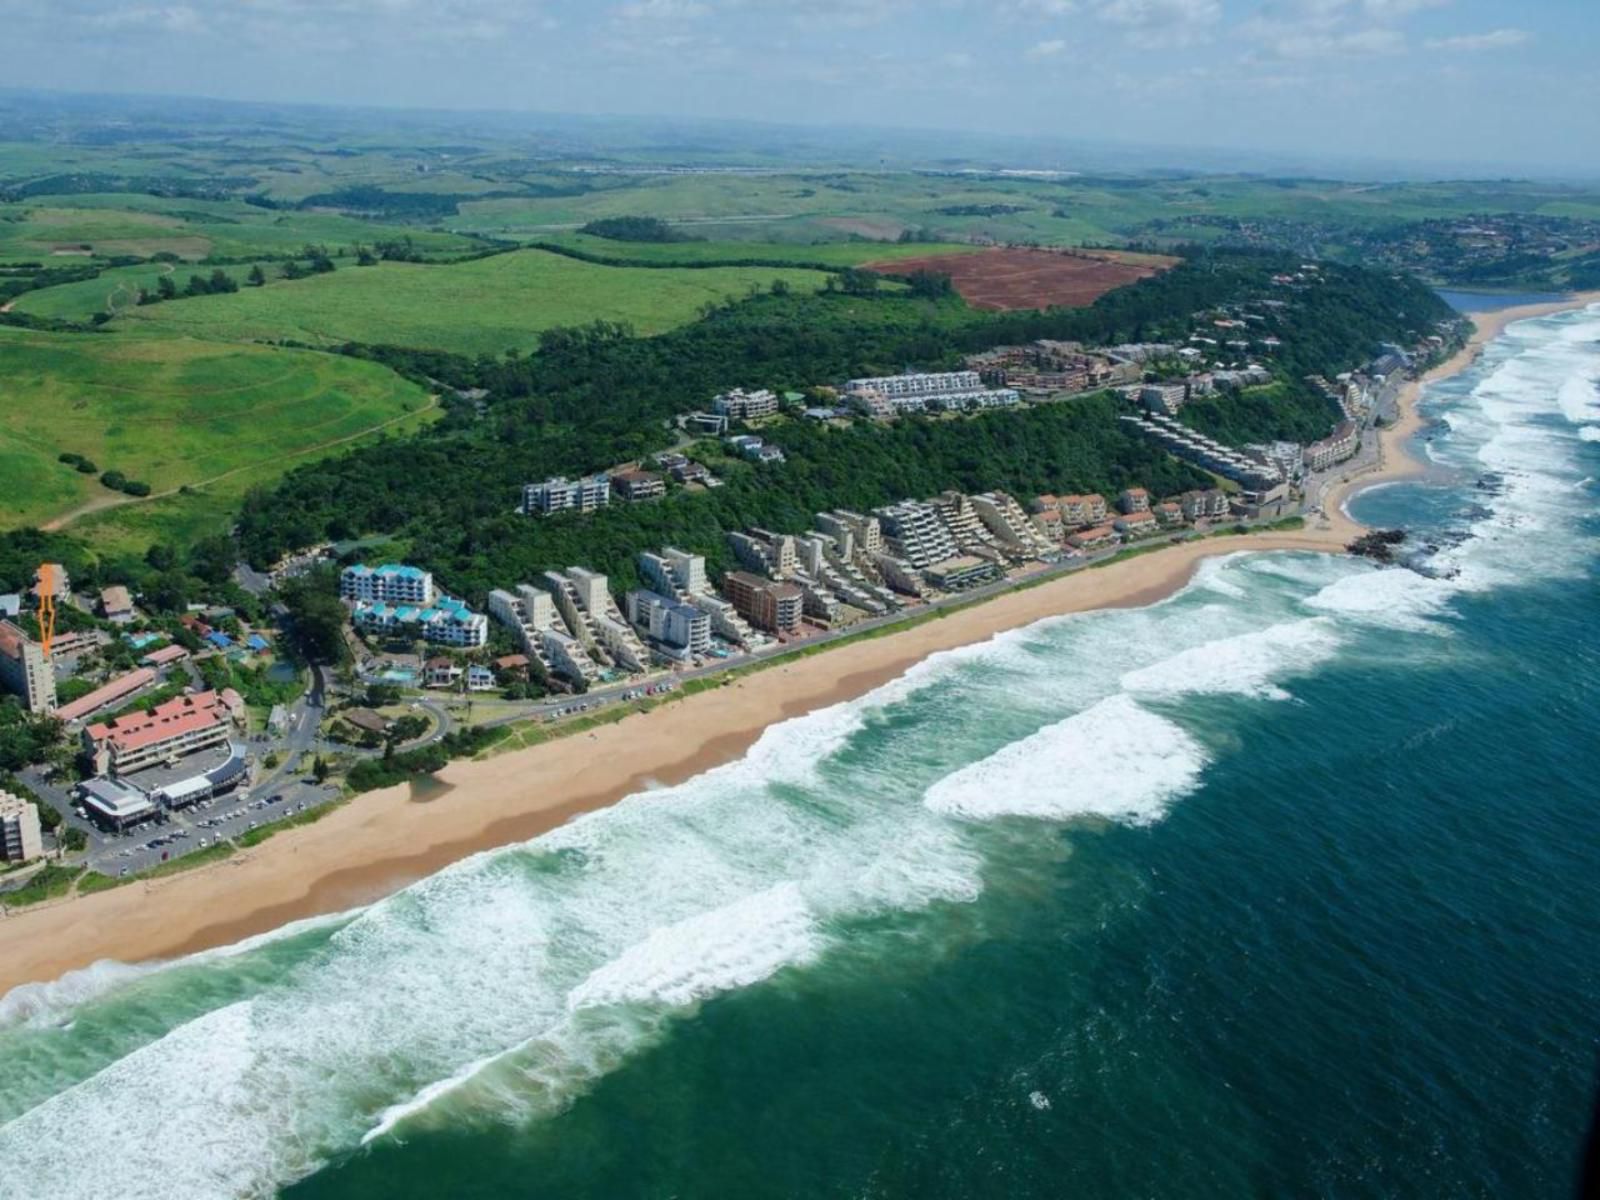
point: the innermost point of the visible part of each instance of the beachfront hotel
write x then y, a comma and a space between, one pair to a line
168, 732
392, 583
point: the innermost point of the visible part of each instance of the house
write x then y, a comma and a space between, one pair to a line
116, 605
480, 679
1169, 513
440, 672
367, 721
511, 664
690, 472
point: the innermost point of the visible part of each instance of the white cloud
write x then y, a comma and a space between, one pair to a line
1496, 39
663, 10
1158, 24
1045, 49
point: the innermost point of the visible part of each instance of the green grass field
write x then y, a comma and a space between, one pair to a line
51, 228
830, 254
173, 412
484, 306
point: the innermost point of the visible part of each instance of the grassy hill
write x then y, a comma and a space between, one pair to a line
487, 305
173, 413
830, 254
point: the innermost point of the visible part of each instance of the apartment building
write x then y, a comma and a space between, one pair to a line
20, 836
1135, 523
740, 405
1134, 500
638, 485
866, 533
775, 607
24, 670
1093, 539
1166, 398
726, 622
1332, 450
566, 655
761, 550
1009, 525
445, 622
392, 583
566, 495
163, 735
677, 629
914, 531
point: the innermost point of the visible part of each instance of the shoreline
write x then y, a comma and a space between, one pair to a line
381, 841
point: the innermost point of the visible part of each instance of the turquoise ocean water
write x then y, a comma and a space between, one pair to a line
1287, 886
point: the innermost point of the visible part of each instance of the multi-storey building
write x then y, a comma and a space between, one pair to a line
1134, 500
866, 532
392, 583
677, 629
163, 735
1009, 525
1344, 442
740, 405
914, 532
24, 670
445, 622
638, 485
562, 495
775, 607
20, 838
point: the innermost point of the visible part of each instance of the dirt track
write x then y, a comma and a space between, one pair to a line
1016, 277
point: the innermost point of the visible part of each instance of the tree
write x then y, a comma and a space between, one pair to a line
165, 288
213, 559
293, 270
257, 276
320, 769
317, 618
161, 557
168, 592
221, 282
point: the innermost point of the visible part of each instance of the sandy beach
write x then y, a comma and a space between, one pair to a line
383, 840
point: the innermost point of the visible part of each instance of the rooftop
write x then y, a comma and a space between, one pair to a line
184, 714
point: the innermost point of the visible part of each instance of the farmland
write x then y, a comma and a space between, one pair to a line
1000, 280
173, 413
484, 306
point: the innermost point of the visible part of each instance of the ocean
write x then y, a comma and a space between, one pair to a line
1288, 885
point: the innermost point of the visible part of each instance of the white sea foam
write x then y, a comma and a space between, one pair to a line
1114, 760
502, 986
1245, 665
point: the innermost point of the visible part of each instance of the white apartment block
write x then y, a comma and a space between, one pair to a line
392, 583
680, 630
561, 495
867, 531
726, 622
915, 533
740, 405
1010, 525
20, 838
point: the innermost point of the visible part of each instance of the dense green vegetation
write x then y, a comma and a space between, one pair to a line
594, 397
635, 229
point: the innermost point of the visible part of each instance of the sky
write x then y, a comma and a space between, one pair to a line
1504, 83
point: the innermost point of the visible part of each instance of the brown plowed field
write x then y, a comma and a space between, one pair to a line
1015, 277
